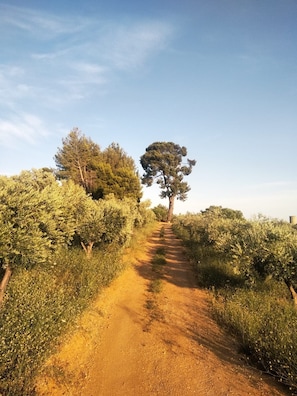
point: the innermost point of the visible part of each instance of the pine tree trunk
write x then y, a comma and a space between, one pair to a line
87, 248
293, 292
294, 295
82, 178
4, 283
170, 209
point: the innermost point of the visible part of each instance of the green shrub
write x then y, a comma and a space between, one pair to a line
161, 212
158, 261
212, 269
40, 306
162, 233
266, 328
33, 315
261, 316
156, 286
160, 251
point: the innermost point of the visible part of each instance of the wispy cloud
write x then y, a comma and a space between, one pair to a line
30, 20
127, 47
25, 127
13, 85
48, 56
59, 61
59, 74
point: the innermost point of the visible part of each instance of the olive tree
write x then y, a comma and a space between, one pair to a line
37, 216
264, 249
162, 162
91, 227
21, 238
106, 221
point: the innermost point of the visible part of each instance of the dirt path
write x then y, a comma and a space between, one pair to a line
135, 342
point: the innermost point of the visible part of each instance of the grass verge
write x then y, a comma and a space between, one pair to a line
263, 318
43, 304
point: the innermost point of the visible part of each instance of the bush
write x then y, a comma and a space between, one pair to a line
261, 316
161, 212
266, 328
34, 314
41, 305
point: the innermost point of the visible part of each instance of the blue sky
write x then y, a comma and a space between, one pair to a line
216, 76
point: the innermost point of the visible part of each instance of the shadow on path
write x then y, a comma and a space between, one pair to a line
187, 314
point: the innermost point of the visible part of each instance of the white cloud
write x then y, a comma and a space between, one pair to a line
89, 73
51, 55
63, 82
11, 71
89, 68
128, 47
24, 127
73, 70
115, 46
31, 20
11, 86
65, 60
81, 81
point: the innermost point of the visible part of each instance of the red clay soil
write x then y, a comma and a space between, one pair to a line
134, 341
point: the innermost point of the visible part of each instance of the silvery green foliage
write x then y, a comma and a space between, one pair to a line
258, 248
37, 216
